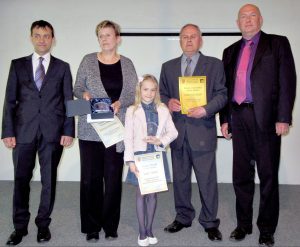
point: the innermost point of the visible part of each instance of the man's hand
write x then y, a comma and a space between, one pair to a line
10, 142
174, 105
282, 128
66, 141
225, 132
197, 112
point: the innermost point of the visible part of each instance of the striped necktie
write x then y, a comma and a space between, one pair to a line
188, 69
39, 74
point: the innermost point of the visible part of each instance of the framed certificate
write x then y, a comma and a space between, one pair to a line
192, 92
151, 177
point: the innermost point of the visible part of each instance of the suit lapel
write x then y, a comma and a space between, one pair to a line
50, 71
28, 65
235, 56
232, 65
261, 48
201, 66
29, 69
177, 67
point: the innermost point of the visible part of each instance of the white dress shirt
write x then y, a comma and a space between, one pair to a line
36, 61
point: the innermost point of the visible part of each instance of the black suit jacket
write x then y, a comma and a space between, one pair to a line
273, 80
26, 109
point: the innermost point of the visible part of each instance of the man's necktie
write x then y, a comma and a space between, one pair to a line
188, 70
40, 74
241, 74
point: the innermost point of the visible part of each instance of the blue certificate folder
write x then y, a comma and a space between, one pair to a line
99, 108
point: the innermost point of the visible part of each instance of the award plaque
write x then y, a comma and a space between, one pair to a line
101, 108
192, 92
96, 109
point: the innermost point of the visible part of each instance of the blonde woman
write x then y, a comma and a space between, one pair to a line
103, 74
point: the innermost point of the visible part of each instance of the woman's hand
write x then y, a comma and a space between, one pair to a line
86, 96
116, 106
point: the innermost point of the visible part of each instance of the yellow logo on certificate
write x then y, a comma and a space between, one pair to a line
192, 92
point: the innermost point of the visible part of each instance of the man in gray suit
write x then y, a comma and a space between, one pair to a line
197, 140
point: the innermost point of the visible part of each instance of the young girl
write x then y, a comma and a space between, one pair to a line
148, 128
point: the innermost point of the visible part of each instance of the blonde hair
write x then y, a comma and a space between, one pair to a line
108, 23
138, 97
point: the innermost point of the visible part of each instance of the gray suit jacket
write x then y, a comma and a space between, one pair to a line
88, 79
201, 133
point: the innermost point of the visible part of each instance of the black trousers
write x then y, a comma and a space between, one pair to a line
100, 187
261, 147
24, 156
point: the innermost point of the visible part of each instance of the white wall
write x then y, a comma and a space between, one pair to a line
74, 22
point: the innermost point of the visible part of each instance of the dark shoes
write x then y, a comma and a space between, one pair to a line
92, 236
111, 235
176, 226
266, 239
214, 234
240, 233
43, 235
16, 237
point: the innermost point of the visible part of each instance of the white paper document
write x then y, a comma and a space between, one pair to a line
151, 177
110, 132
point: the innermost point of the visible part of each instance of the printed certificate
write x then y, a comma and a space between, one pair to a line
110, 132
152, 177
192, 92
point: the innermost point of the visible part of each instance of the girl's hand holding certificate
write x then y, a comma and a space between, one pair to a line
134, 169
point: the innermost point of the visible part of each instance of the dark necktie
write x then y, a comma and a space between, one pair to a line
241, 74
188, 69
39, 74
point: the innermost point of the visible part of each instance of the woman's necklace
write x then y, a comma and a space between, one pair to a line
108, 59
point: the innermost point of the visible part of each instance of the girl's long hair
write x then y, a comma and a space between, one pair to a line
138, 97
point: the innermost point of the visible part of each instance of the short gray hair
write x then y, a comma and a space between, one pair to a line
192, 25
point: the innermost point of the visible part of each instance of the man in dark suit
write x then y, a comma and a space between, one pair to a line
258, 119
34, 122
196, 143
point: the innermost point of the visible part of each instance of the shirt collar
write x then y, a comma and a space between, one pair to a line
254, 39
194, 58
36, 56
150, 106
